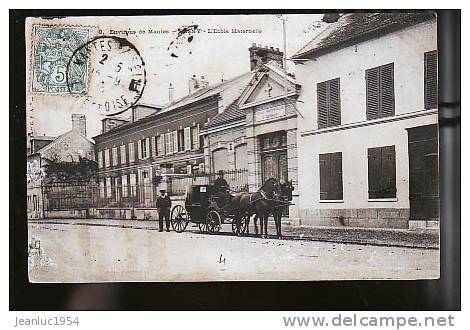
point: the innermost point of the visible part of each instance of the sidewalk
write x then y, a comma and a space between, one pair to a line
418, 238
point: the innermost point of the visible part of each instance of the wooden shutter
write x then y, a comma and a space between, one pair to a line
382, 172
374, 172
147, 147
161, 145
430, 80
337, 176
372, 93
331, 176
154, 146
198, 145
388, 184
387, 97
187, 138
175, 141
324, 176
322, 104
334, 103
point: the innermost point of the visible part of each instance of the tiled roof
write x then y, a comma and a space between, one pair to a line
211, 90
360, 26
231, 114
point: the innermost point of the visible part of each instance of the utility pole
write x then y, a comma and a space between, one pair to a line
284, 59
284, 65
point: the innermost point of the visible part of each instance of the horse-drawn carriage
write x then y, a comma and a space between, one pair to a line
203, 206
209, 208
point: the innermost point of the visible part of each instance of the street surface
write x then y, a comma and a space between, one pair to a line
86, 253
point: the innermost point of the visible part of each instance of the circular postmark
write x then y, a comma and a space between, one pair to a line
116, 77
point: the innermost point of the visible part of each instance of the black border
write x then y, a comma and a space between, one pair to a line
443, 294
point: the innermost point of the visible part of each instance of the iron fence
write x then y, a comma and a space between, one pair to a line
85, 195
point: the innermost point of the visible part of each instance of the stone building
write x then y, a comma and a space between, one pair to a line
258, 132
68, 147
368, 150
162, 150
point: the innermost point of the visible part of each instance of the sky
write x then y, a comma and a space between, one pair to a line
211, 53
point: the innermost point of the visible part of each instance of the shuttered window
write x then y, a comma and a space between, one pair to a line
106, 158
187, 138
430, 80
161, 145
131, 152
100, 159
331, 176
380, 93
329, 103
154, 146
382, 172
123, 154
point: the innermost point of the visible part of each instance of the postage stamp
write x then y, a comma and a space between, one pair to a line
53, 45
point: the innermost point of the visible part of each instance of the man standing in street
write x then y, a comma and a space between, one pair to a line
163, 205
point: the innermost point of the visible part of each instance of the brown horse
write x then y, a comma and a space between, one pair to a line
277, 208
259, 203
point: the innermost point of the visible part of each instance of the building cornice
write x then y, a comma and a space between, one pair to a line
366, 123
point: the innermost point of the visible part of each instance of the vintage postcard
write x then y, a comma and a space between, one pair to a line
232, 147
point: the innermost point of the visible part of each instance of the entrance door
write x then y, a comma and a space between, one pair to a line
275, 165
424, 172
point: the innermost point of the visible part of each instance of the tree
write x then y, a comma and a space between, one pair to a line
82, 170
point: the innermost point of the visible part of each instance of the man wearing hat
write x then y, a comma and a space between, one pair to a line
222, 189
220, 182
163, 205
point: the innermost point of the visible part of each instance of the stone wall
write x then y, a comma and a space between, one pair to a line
364, 217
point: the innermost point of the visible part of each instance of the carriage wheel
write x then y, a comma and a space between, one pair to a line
203, 227
179, 218
213, 221
239, 226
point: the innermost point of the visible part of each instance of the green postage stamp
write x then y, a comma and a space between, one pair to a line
53, 46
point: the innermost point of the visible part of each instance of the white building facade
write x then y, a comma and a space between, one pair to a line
367, 145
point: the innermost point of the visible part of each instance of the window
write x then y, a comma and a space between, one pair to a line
328, 103
331, 176
108, 187
195, 137
161, 145
154, 146
100, 159
187, 138
169, 143
180, 136
124, 185
123, 154
106, 158
144, 148
102, 188
382, 172
380, 94
131, 152
175, 141
115, 156
133, 184
430, 80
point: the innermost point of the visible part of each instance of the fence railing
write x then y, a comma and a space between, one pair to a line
84, 195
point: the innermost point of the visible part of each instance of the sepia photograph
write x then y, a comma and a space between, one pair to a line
202, 148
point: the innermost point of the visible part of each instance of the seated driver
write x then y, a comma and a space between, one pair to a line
222, 188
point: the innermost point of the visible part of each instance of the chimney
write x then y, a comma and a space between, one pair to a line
196, 84
193, 84
171, 93
79, 123
262, 55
